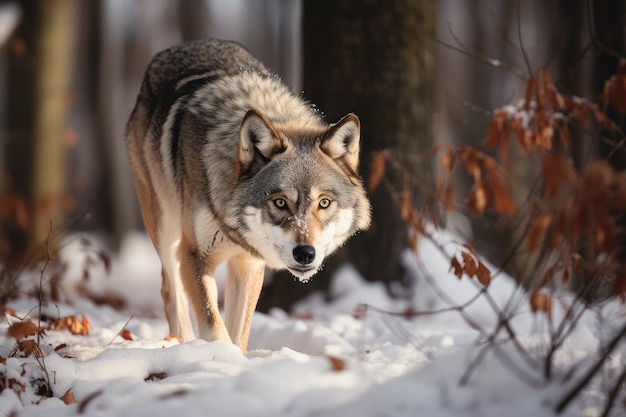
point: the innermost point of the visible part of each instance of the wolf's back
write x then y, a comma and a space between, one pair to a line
190, 64
172, 77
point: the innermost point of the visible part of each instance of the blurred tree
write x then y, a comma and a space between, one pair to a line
17, 138
193, 15
39, 67
376, 59
52, 75
608, 24
119, 193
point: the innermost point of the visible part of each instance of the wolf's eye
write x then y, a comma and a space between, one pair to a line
324, 203
280, 203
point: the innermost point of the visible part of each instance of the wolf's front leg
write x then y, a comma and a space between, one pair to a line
176, 304
243, 287
197, 274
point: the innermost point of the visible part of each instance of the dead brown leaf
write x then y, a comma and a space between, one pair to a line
495, 131
557, 171
448, 159
477, 200
171, 337
156, 376
498, 196
483, 274
23, 329
9, 312
83, 405
16, 386
536, 231
406, 204
470, 266
472, 159
615, 94
540, 301
68, 397
73, 325
337, 364
30, 346
61, 346
377, 170
456, 265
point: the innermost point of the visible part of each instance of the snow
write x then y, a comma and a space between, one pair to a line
325, 358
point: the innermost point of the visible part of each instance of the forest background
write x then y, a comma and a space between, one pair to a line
501, 121
421, 75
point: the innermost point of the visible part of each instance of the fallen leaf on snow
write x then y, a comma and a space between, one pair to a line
73, 324
171, 337
30, 346
125, 334
68, 397
23, 329
337, 364
156, 376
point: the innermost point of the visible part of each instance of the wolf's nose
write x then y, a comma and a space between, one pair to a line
304, 254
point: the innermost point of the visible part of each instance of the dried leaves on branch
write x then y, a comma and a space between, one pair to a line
471, 265
25, 332
573, 215
576, 209
488, 191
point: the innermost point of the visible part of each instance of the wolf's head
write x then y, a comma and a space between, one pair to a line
300, 192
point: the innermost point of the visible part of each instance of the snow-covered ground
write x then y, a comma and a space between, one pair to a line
326, 358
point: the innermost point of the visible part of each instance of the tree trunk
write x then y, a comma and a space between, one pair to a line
374, 58
16, 140
120, 201
193, 17
608, 21
53, 63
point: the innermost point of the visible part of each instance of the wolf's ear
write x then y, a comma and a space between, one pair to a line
258, 141
342, 141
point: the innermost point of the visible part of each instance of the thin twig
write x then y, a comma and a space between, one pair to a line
519, 38
594, 37
455, 37
564, 330
468, 319
515, 368
396, 328
474, 365
467, 104
424, 312
617, 388
42, 362
573, 393
43, 270
527, 357
488, 61
121, 330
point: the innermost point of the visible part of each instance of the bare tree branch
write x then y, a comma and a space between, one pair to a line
488, 61
576, 389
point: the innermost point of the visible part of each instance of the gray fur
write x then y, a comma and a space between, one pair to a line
213, 140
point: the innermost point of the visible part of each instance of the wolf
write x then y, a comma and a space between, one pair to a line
230, 165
